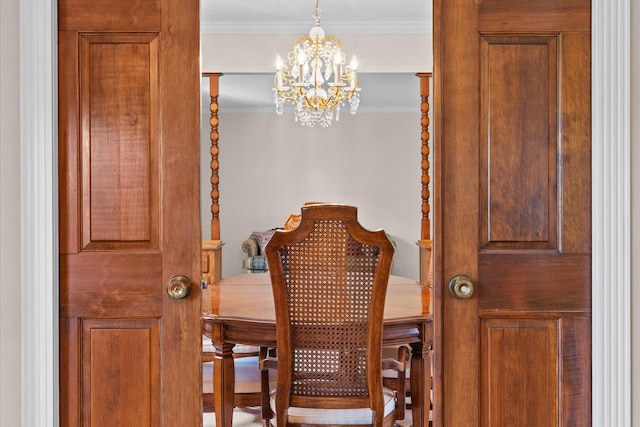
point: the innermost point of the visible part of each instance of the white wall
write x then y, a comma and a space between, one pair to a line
270, 166
10, 326
388, 53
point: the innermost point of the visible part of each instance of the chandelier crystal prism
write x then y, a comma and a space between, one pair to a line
316, 79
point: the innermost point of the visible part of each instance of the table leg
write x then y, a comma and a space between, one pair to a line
420, 384
223, 384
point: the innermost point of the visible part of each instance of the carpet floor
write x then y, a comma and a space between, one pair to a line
241, 418
251, 418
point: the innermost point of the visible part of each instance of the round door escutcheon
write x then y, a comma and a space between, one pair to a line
178, 287
461, 287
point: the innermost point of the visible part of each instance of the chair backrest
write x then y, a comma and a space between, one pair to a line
329, 278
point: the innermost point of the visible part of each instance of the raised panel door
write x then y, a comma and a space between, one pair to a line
129, 131
512, 212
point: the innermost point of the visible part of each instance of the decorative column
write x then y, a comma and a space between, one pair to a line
425, 226
425, 243
212, 249
214, 150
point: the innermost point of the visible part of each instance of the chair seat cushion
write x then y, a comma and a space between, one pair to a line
255, 263
337, 416
263, 237
207, 347
392, 353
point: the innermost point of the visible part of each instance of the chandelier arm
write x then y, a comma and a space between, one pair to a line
285, 96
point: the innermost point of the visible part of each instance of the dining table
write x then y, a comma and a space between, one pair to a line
240, 310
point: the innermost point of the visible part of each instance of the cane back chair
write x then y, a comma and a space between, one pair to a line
329, 277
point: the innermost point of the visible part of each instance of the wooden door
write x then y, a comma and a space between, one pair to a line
129, 130
513, 212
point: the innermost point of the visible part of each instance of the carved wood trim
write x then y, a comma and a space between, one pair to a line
426, 262
425, 226
211, 261
214, 150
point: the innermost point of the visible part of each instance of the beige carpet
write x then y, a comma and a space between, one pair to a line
241, 418
251, 418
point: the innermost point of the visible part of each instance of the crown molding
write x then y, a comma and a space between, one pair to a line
407, 27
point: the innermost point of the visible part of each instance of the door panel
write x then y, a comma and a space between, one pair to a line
119, 135
514, 286
519, 385
521, 16
120, 380
518, 181
106, 15
513, 190
129, 131
122, 285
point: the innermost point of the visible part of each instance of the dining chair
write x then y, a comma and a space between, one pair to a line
251, 386
329, 277
390, 379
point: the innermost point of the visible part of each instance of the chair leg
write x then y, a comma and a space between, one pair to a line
267, 413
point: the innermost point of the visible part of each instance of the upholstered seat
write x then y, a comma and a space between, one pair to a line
253, 246
358, 416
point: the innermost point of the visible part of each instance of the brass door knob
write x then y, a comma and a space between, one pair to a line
461, 287
178, 287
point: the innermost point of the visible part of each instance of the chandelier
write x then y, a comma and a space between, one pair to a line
316, 79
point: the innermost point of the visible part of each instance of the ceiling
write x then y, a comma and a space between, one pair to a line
295, 16
393, 92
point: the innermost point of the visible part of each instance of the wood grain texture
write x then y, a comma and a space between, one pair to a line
575, 371
576, 143
179, 103
214, 150
129, 211
70, 405
119, 121
519, 142
425, 224
110, 285
512, 189
547, 16
536, 282
459, 403
520, 372
120, 373
211, 260
107, 15
68, 143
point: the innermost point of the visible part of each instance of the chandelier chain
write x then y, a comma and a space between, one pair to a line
316, 12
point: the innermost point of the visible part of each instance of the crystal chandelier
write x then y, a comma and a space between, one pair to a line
316, 79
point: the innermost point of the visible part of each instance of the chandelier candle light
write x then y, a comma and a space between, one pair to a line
316, 79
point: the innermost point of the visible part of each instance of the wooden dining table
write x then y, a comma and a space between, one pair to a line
240, 310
